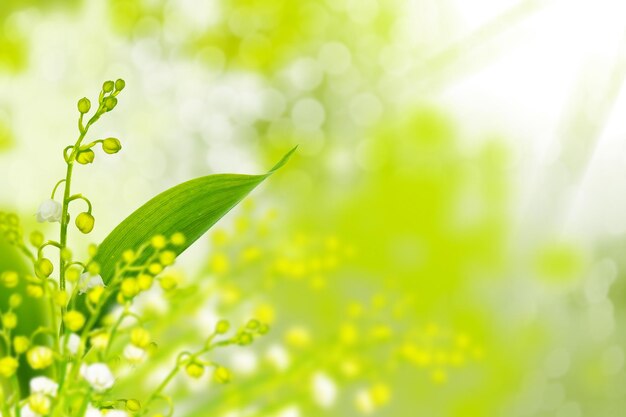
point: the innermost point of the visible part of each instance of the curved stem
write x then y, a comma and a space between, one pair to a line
82, 197
54, 190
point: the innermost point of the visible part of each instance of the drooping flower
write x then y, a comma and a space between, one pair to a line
43, 385
73, 343
134, 354
98, 375
49, 211
89, 281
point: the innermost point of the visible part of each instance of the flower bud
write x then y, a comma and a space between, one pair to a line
94, 294
194, 369
72, 274
244, 339
39, 357
100, 341
120, 84
129, 287
167, 258
34, 291
133, 405
110, 103
144, 281
111, 145
140, 337
221, 375
9, 279
74, 320
66, 254
39, 404
44, 267
15, 300
222, 327
178, 239
168, 282
84, 105
21, 344
9, 320
263, 329
85, 222
155, 268
36, 239
94, 268
253, 324
158, 242
85, 157
128, 256
8, 366
108, 86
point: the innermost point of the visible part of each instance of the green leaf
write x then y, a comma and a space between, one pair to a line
190, 208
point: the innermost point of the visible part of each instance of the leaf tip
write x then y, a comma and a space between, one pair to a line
283, 161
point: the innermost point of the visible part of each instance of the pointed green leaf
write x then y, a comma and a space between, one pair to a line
190, 208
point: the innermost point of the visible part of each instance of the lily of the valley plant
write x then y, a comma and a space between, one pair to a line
65, 365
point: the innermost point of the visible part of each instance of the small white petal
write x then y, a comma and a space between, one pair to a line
92, 412
73, 343
43, 385
49, 211
88, 281
99, 376
324, 390
116, 413
134, 354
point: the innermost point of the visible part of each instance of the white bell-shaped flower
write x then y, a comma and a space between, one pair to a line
73, 343
134, 354
88, 281
43, 385
98, 375
49, 211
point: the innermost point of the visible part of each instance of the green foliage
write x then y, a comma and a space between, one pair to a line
190, 208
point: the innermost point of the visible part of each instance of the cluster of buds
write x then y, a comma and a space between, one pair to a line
74, 356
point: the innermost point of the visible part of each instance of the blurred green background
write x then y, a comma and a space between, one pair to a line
448, 239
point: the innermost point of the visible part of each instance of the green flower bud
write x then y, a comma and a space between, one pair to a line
111, 145
15, 300
263, 329
66, 254
133, 406
84, 105
120, 84
110, 103
21, 344
85, 157
253, 324
44, 267
222, 327
8, 366
93, 268
221, 375
9, 320
85, 222
36, 239
195, 370
9, 279
245, 339
107, 87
